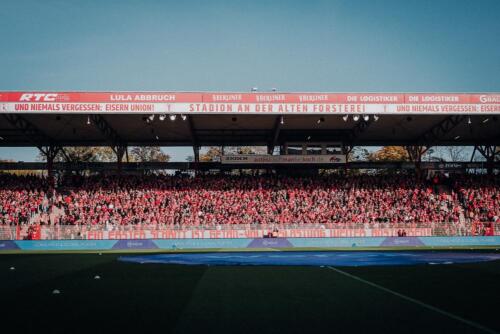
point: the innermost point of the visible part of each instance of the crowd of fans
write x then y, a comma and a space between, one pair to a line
214, 199
480, 196
21, 198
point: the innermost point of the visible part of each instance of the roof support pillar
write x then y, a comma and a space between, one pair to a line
196, 151
120, 151
50, 153
346, 150
415, 154
196, 164
489, 152
194, 139
44, 143
276, 132
117, 144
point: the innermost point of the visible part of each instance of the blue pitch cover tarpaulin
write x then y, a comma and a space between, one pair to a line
348, 259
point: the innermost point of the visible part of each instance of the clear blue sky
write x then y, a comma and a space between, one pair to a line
363, 45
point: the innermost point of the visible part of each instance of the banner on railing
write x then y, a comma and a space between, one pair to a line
241, 233
68, 232
283, 159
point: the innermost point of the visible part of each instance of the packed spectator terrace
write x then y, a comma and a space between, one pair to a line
212, 200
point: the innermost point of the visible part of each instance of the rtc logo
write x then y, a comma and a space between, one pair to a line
37, 97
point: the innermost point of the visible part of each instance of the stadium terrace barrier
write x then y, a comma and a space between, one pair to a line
184, 244
84, 232
81, 238
117, 232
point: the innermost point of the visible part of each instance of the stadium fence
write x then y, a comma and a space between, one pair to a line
114, 232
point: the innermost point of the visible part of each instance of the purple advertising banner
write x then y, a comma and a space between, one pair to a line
270, 243
135, 244
401, 241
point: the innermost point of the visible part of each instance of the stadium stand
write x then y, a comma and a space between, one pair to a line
212, 200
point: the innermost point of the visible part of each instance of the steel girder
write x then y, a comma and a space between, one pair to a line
117, 144
47, 145
432, 136
488, 151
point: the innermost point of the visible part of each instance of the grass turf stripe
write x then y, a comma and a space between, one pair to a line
415, 301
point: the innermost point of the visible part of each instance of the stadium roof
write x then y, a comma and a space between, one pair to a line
205, 130
79, 119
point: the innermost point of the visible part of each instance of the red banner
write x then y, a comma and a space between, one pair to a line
198, 97
283, 103
247, 233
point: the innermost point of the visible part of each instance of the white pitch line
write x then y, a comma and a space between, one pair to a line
418, 302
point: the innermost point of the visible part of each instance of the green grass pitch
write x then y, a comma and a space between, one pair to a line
158, 298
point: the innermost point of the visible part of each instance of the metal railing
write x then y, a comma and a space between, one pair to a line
64, 232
